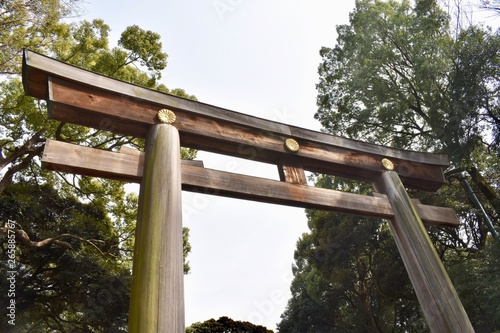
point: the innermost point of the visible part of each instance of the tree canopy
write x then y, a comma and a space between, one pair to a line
74, 234
226, 325
69, 274
399, 76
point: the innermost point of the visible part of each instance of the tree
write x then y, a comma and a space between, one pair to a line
75, 280
374, 86
33, 24
474, 90
349, 277
66, 244
398, 76
226, 325
23, 24
23, 122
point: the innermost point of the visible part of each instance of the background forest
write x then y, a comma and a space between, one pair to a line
409, 74
75, 234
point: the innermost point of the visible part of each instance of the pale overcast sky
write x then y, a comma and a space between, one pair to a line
257, 57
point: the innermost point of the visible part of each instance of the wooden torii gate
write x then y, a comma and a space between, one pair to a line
166, 122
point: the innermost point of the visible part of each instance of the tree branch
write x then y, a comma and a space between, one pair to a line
7, 178
25, 239
24, 149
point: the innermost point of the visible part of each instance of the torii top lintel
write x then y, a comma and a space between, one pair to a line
78, 96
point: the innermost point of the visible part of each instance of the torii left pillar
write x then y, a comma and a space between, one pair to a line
157, 293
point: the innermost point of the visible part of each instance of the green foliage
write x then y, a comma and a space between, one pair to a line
23, 120
32, 24
76, 280
474, 90
226, 325
398, 77
381, 83
145, 48
76, 260
476, 277
349, 277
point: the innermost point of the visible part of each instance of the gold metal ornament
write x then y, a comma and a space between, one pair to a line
166, 116
292, 145
388, 165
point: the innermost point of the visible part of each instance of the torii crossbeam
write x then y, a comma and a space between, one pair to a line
81, 97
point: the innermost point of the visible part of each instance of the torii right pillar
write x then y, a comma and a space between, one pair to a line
438, 298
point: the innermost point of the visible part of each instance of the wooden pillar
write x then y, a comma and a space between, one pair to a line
440, 303
157, 295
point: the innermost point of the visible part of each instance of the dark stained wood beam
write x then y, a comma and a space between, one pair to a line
128, 166
78, 96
